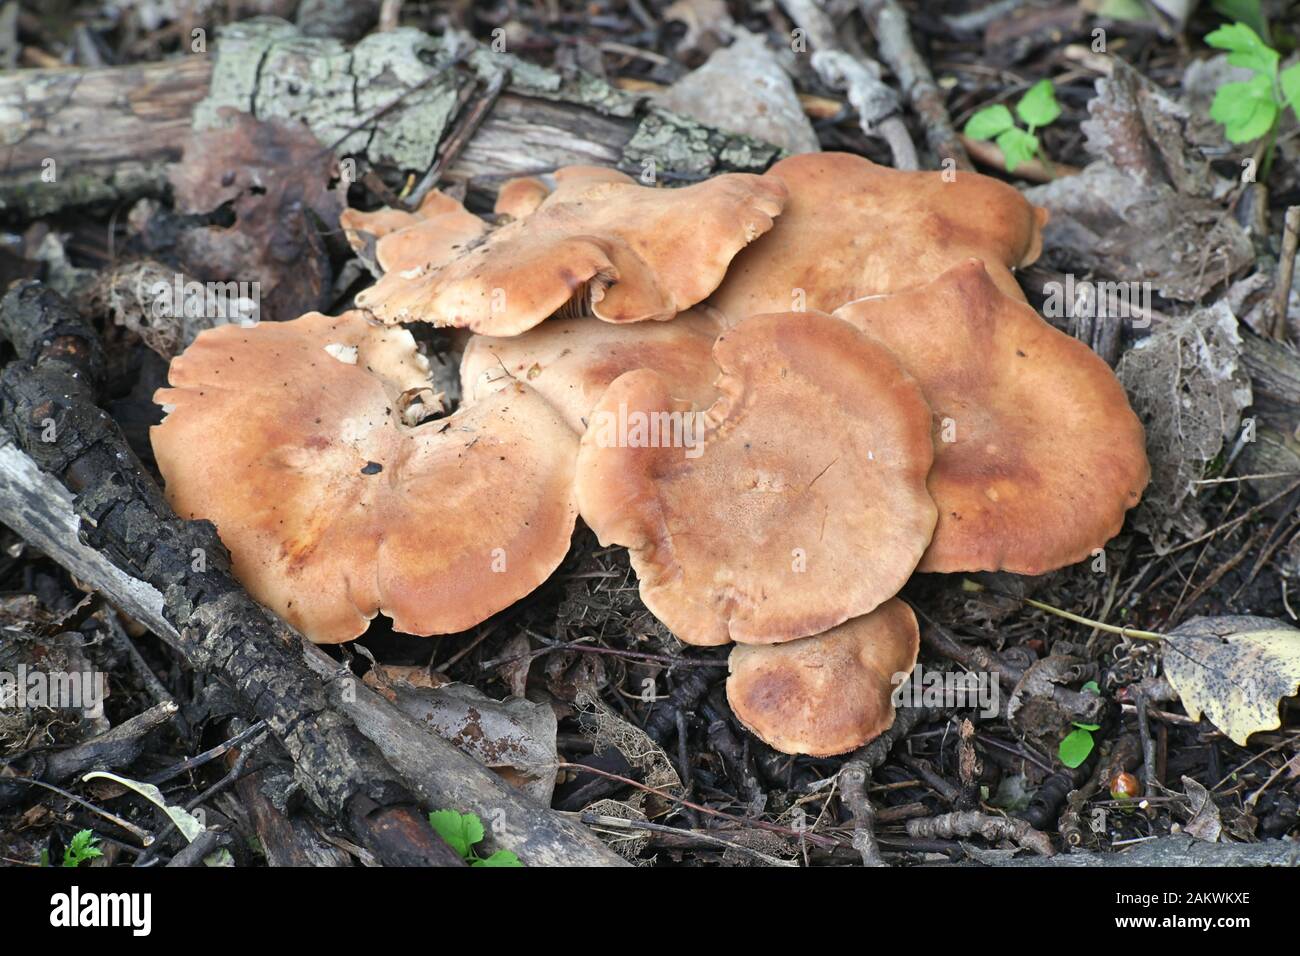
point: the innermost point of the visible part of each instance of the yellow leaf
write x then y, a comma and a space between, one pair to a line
1234, 670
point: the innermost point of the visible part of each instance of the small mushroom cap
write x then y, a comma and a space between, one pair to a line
290, 438
852, 229
827, 694
570, 362
1037, 453
796, 501
625, 252
520, 197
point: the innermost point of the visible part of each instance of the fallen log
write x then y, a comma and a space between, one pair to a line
118, 535
76, 136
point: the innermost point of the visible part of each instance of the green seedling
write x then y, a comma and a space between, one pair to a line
1250, 109
1078, 743
1036, 109
81, 849
462, 831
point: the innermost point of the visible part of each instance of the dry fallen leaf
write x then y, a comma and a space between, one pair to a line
1205, 823
1186, 383
1235, 670
285, 192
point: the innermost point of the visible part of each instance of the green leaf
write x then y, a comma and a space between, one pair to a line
1248, 12
1038, 106
81, 849
1092, 686
1291, 86
1245, 48
499, 858
1017, 146
989, 122
1087, 726
1075, 748
1246, 110
460, 830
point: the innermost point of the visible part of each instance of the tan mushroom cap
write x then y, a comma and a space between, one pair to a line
796, 501
435, 234
1037, 453
570, 362
852, 229
827, 694
623, 252
520, 197
290, 437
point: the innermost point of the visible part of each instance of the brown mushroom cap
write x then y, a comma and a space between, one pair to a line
851, 229
827, 694
1044, 454
435, 234
520, 197
801, 501
625, 252
570, 362
290, 437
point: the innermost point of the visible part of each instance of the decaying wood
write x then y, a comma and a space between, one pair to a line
1274, 370
78, 136
141, 557
388, 102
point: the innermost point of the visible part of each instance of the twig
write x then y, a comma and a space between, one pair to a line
1070, 616
855, 781
193, 763
876, 104
598, 820
976, 823
1285, 271
451, 147
142, 835
888, 24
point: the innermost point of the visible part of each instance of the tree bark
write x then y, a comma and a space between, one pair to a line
388, 102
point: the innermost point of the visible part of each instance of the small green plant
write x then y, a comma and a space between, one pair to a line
1250, 109
81, 849
1078, 743
461, 831
1037, 108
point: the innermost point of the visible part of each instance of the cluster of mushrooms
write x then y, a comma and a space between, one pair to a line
869, 393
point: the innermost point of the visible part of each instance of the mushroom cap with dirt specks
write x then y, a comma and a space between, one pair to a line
290, 438
851, 228
570, 362
830, 693
795, 502
618, 250
1037, 452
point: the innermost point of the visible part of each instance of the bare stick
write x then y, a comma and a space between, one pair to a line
888, 24
1285, 271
